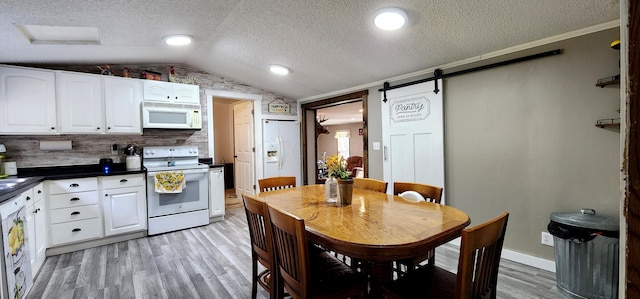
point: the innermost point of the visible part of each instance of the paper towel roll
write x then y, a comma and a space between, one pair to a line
60, 145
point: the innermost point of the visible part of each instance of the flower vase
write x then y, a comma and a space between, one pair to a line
345, 187
331, 190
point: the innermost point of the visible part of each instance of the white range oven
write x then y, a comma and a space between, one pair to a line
187, 208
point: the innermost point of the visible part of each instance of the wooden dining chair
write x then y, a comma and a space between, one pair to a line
429, 193
276, 183
370, 184
478, 265
310, 275
261, 247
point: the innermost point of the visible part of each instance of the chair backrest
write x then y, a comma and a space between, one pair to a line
429, 192
353, 161
276, 183
259, 230
370, 184
479, 260
292, 253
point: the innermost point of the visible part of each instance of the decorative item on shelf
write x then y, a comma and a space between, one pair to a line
151, 75
106, 70
125, 72
173, 77
337, 168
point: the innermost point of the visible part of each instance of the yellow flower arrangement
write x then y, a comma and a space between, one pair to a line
337, 167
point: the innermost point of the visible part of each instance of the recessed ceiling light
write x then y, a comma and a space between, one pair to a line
177, 40
390, 18
278, 69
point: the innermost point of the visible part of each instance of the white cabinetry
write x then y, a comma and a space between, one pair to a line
125, 204
37, 229
216, 192
169, 92
74, 213
80, 104
27, 101
122, 98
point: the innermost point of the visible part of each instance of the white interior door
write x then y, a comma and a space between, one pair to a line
243, 144
412, 135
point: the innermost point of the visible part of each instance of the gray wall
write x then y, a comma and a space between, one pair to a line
521, 138
87, 149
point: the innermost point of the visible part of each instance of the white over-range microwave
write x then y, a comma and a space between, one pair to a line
171, 116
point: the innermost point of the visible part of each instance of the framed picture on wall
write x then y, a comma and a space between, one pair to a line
360, 131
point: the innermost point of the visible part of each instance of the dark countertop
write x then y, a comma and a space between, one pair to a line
209, 161
36, 175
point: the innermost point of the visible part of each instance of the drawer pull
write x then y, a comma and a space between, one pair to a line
39, 191
76, 230
74, 185
75, 213
28, 198
123, 180
74, 199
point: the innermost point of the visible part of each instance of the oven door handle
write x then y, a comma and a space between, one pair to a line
185, 171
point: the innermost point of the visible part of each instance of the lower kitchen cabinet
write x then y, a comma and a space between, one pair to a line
73, 204
37, 229
124, 203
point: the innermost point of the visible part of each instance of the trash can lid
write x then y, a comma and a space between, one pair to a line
587, 218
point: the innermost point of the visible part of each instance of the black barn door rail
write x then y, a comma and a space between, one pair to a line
437, 73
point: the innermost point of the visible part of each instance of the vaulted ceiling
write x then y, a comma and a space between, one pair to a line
328, 45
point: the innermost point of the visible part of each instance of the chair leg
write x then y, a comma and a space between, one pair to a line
254, 279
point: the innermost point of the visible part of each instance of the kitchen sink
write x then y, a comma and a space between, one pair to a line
10, 183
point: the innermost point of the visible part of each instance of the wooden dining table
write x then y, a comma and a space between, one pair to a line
376, 227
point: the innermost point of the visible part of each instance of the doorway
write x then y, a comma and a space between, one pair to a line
315, 117
228, 112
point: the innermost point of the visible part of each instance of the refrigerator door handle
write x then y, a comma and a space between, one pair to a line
280, 153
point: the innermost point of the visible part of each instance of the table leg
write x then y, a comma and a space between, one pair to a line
381, 273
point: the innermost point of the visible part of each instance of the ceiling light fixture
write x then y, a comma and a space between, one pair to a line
177, 40
390, 18
278, 69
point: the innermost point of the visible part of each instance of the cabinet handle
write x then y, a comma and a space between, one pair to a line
76, 230
123, 180
106, 194
74, 185
39, 191
108, 128
53, 128
37, 210
75, 213
98, 128
74, 199
28, 198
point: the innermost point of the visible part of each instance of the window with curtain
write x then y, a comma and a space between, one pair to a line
343, 143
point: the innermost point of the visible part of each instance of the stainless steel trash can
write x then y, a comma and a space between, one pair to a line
586, 251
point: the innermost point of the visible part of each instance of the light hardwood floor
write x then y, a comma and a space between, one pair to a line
212, 261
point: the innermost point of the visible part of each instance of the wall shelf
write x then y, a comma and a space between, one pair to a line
608, 122
608, 81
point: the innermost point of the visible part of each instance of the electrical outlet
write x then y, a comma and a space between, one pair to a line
547, 239
114, 149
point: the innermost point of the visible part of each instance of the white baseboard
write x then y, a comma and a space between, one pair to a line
522, 258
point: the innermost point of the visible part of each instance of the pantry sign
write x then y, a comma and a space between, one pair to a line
411, 109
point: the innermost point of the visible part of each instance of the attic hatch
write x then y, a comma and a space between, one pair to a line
60, 35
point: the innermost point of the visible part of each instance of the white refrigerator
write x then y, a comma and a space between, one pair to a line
281, 149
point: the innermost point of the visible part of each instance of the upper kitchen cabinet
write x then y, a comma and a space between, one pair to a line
169, 92
80, 104
27, 101
123, 97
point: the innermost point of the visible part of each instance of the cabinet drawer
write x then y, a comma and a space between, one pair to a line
73, 185
122, 181
38, 192
74, 214
75, 199
76, 231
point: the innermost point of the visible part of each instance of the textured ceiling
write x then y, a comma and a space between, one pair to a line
329, 45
